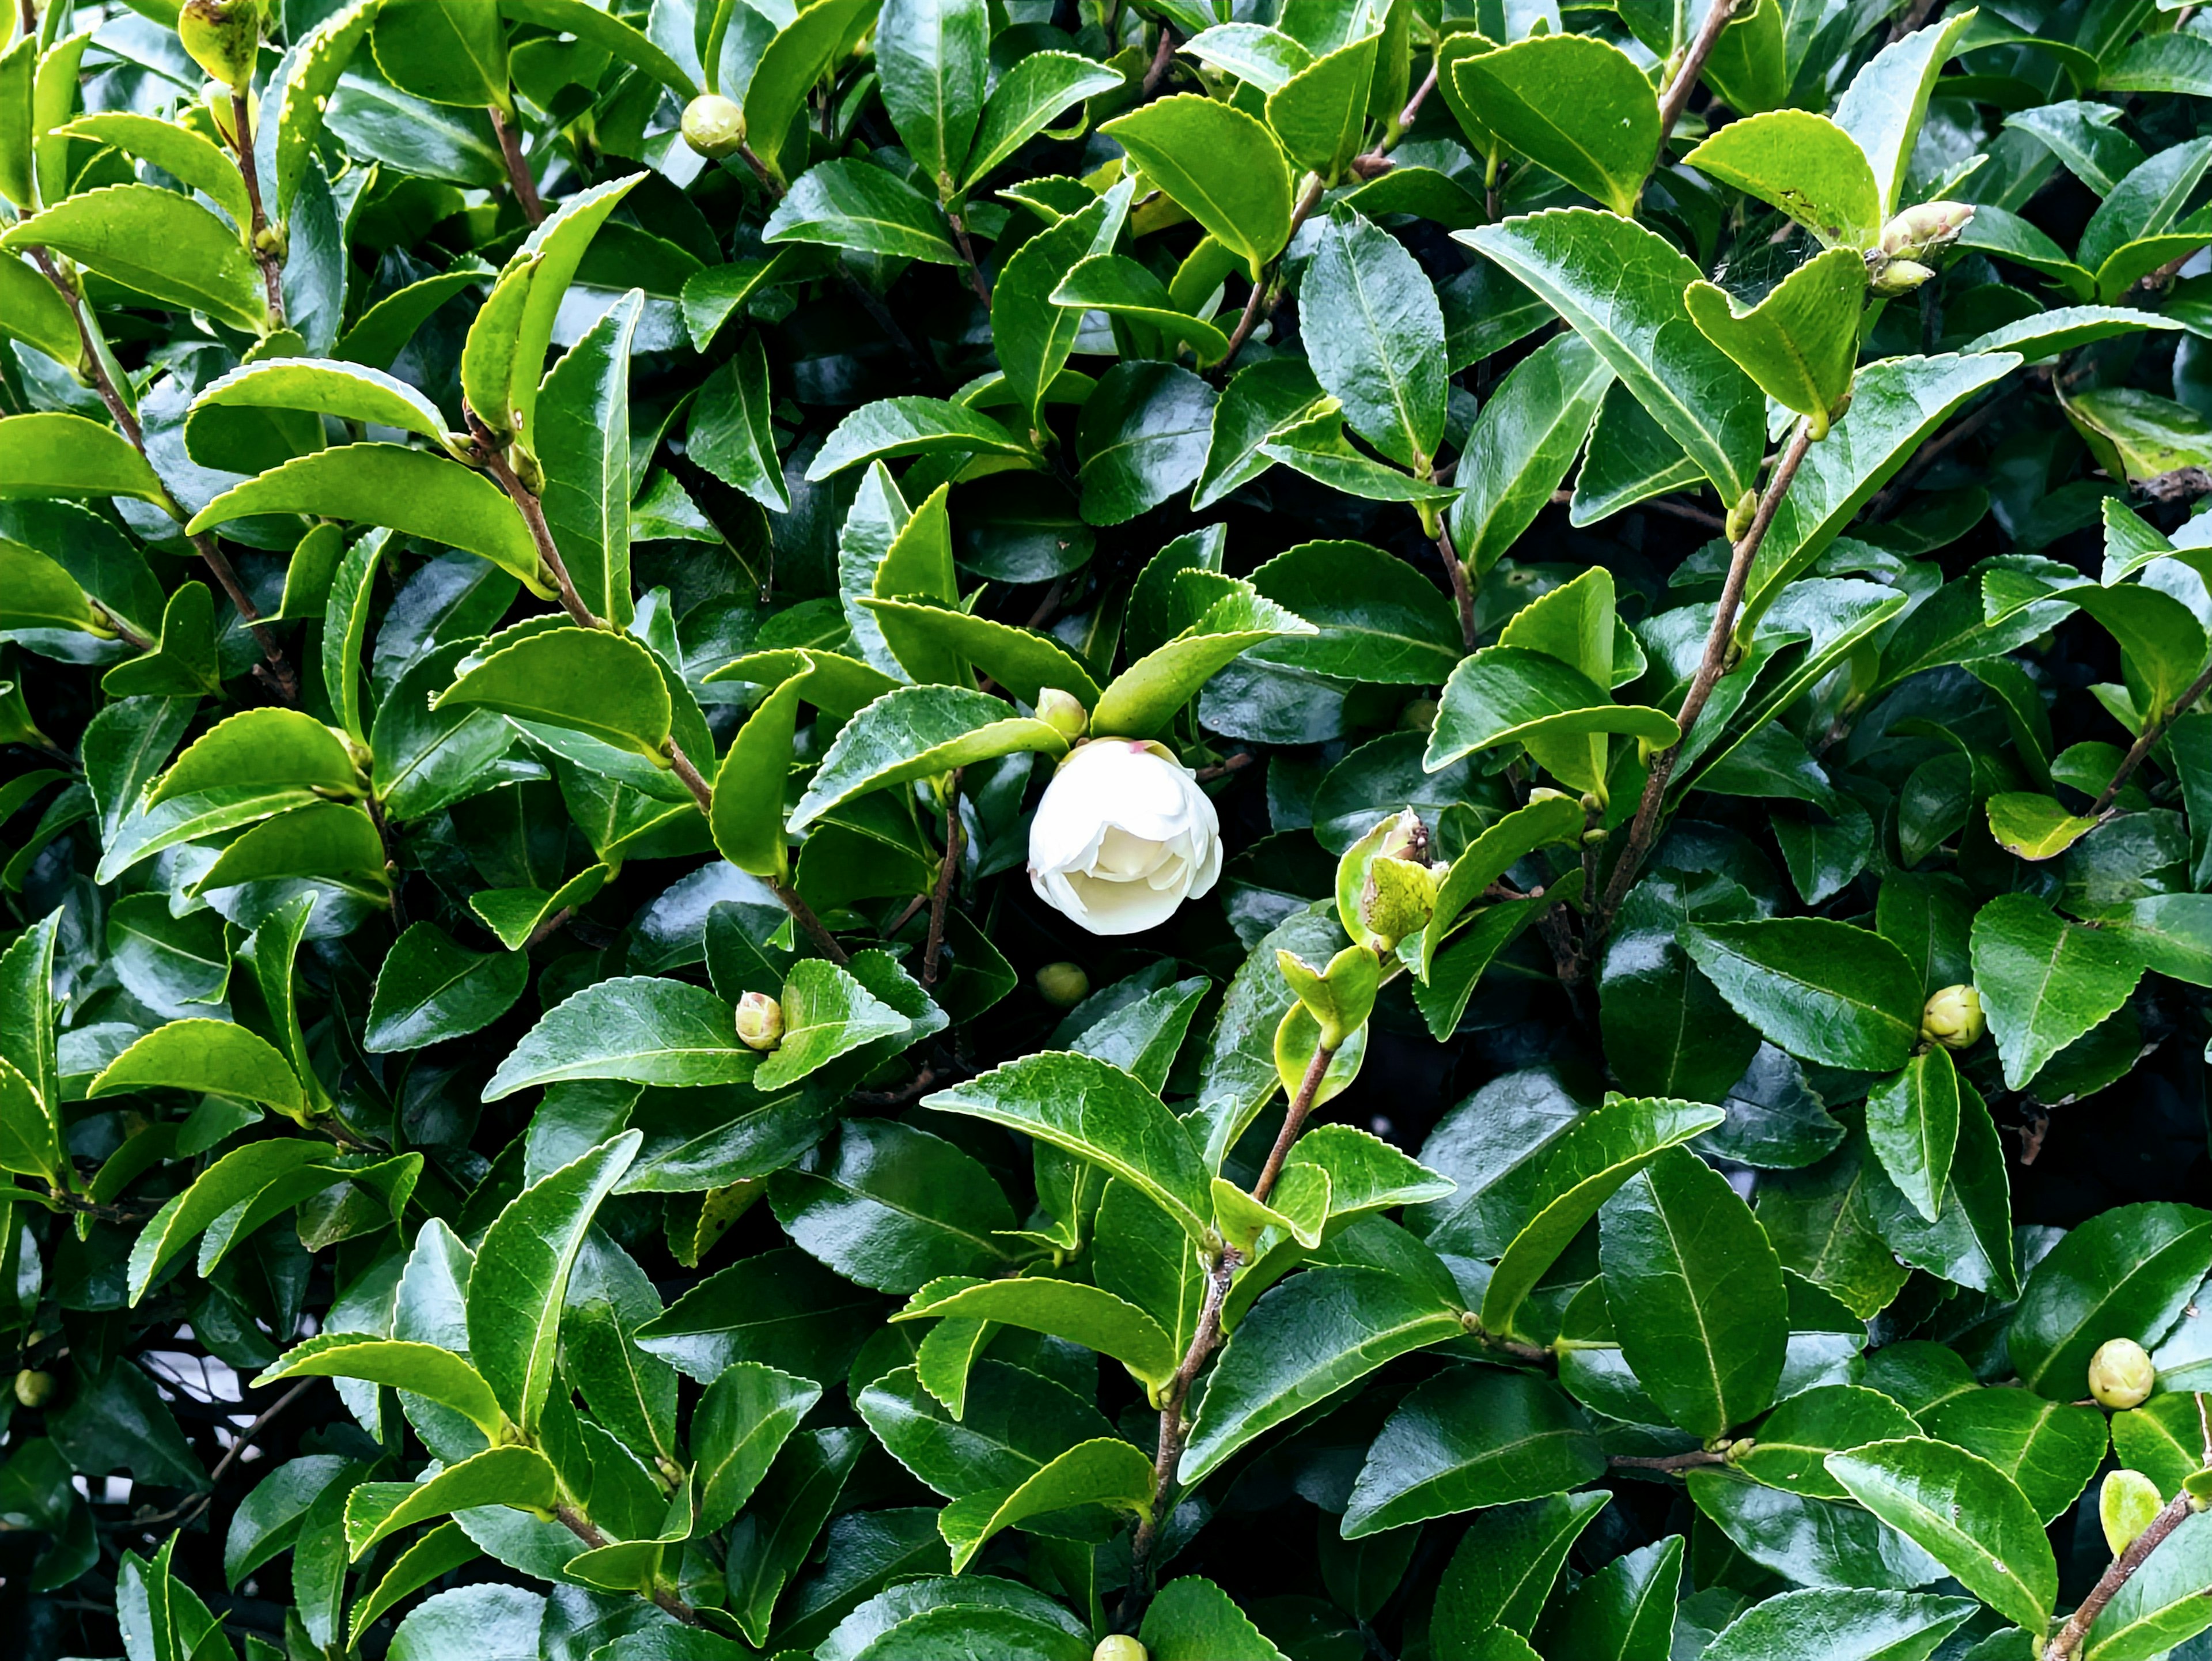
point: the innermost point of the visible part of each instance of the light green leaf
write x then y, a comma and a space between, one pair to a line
1800, 342
160, 243
1804, 164
1106, 1472
589, 680
1081, 1314
214, 1056
827, 1013
1375, 338
640, 1027
1574, 104
2044, 982
918, 732
424, 1369
53, 453
1221, 167
1823, 990
519, 1476
1913, 1124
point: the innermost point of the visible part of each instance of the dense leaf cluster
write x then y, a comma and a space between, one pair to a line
1034, 828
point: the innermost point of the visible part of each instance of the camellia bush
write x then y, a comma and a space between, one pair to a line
1065, 831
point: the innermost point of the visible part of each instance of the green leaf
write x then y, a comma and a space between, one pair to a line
1625, 1611
1302, 1341
1815, 1542
1524, 440
2033, 826
730, 434
431, 1557
31, 311
1029, 98
1143, 437
1913, 1124
1883, 107
582, 438
640, 1027
519, 1476
1620, 288
55, 454
449, 54
1221, 167
1015, 1422
603, 29
1375, 338
317, 60
1822, 990
232, 1180
1574, 104
521, 1276
1964, 1513
932, 59
1471, 1437
349, 390
860, 206
2161, 1604
186, 156
1117, 285
424, 1369
428, 990
1587, 1166
156, 242
1804, 164
1141, 701
214, 1056
803, 50
1033, 335
1819, 1625
1193, 1620
1511, 695
895, 427
554, 253
1488, 857
1804, 1430
2126, 1273
1107, 1472
2136, 435
1022, 660
263, 748
413, 491
1503, 1570
2051, 1449
2044, 982
1696, 1293
743, 1419
588, 680
918, 732
827, 1013
40, 594
1319, 113
1800, 342
1082, 1314
1097, 1111
1379, 619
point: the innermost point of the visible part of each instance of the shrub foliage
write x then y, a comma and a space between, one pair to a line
1600, 1053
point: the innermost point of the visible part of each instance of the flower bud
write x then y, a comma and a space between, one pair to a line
714, 126
223, 37
1120, 1646
1063, 713
1953, 1019
1918, 231
1063, 985
1899, 276
33, 1389
2120, 1374
760, 1021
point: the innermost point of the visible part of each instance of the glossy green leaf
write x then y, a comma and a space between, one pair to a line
643, 1028
1821, 991
2044, 982
1574, 104
430, 988
1222, 166
156, 242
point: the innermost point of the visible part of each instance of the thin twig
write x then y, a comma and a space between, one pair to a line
1695, 515
1174, 1431
1677, 98
1223, 768
585, 1530
1294, 1120
491, 452
1163, 59
947, 872
1461, 586
2153, 731
1690, 1461
975, 278
2123, 1568
185, 1514
1964, 427
518, 167
1266, 280
265, 250
1711, 668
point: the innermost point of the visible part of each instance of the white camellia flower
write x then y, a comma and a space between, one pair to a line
1122, 837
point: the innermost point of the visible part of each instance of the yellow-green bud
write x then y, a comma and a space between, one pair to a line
1399, 898
1954, 1017
1063, 985
33, 1389
1063, 713
1918, 231
1120, 1646
1740, 516
2120, 1374
1418, 716
760, 1021
714, 126
223, 37
1899, 276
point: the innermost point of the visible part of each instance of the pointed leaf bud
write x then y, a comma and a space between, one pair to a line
1954, 1017
2121, 1374
760, 1021
714, 126
1918, 231
1899, 276
1063, 713
223, 37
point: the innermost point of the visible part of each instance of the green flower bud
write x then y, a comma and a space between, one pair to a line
1953, 1019
714, 126
1063, 985
33, 1389
1063, 713
1120, 1646
1918, 231
1898, 276
223, 37
2120, 1374
760, 1021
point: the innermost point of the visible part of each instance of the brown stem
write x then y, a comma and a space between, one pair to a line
1294, 1120
1412, 109
1174, 1431
976, 279
948, 872
264, 252
276, 668
1710, 668
123, 631
585, 1530
517, 168
2152, 731
1161, 59
1677, 98
1462, 588
768, 181
493, 451
1690, 1461
191, 1509
1258, 298
2122, 1570
702, 796
1222, 770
